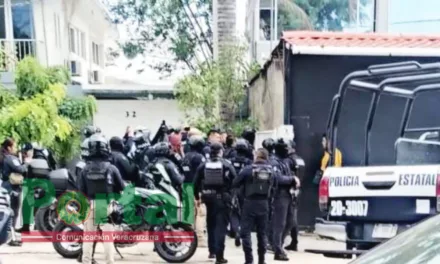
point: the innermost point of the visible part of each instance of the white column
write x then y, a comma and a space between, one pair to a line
8, 21
215, 27
382, 16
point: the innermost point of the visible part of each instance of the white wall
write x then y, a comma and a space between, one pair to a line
50, 52
112, 118
86, 16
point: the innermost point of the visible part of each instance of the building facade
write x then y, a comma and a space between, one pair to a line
414, 16
267, 19
71, 33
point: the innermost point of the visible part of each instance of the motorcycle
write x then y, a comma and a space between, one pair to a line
172, 252
62, 180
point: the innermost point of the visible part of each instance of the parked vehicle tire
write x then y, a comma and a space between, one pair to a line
45, 219
179, 252
71, 251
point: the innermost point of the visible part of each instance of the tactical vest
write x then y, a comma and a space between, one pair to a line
238, 163
186, 165
214, 175
99, 181
261, 181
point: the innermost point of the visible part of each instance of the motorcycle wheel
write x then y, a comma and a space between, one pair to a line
176, 252
46, 219
63, 248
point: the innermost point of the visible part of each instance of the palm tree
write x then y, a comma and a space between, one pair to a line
292, 17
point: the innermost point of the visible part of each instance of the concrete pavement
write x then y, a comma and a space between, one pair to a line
43, 253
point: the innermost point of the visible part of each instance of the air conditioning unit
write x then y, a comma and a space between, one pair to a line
75, 68
95, 77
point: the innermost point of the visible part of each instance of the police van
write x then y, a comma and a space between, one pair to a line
375, 203
379, 202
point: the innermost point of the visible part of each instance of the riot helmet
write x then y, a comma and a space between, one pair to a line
216, 150
269, 145
281, 148
98, 147
90, 130
242, 146
162, 149
196, 143
142, 138
249, 135
116, 144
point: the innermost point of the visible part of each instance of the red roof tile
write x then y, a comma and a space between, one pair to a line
371, 40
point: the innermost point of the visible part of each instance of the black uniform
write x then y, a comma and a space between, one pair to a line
11, 164
126, 167
239, 161
257, 180
193, 158
163, 156
295, 163
283, 203
100, 177
214, 180
269, 145
98, 180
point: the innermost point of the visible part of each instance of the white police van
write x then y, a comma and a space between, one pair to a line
379, 202
375, 203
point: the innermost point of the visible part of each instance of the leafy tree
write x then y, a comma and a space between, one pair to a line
213, 94
39, 110
181, 30
175, 29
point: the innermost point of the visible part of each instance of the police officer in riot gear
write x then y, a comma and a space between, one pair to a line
242, 157
214, 181
88, 132
239, 161
193, 158
12, 168
249, 134
126, 167
257, 180
230, 151
99, 180
269, 145
295, 163
164, 155
283, 203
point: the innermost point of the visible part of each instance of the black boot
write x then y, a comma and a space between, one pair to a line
24, 228
292, 247
211, 256
281, 257
15, 243
221, 260
261, 260
237, 242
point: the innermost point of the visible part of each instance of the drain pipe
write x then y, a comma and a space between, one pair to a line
44, 33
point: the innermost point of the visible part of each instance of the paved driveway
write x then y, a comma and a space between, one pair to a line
36, 253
